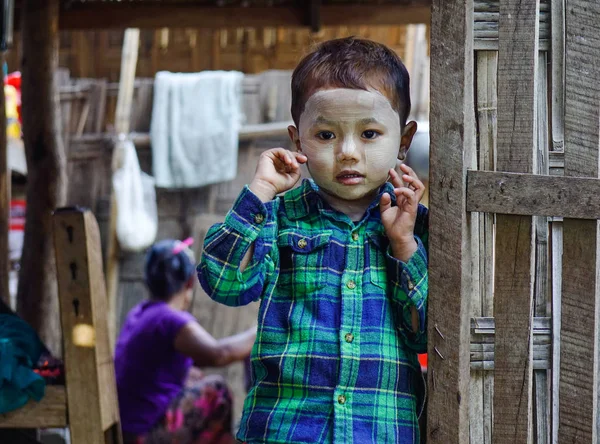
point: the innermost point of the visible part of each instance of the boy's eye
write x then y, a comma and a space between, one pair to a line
326, 135
370, 134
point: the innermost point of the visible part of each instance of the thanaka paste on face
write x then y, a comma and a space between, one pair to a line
347, 114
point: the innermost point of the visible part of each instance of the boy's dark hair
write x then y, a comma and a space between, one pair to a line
168, 268
352, 63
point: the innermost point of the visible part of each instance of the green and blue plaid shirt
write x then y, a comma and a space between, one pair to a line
335, 356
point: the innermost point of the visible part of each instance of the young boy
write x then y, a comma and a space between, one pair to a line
338, 263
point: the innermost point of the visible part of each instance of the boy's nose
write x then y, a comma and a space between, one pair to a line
349, 149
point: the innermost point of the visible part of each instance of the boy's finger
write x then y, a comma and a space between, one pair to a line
385, 202
301, 158
414, 183
396, 179
409, 195
408, 170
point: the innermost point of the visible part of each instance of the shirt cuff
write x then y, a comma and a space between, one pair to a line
410, 277
249, 215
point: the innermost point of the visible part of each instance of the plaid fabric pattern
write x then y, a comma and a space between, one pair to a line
335, 356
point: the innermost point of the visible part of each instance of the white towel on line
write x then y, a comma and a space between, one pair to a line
196, 119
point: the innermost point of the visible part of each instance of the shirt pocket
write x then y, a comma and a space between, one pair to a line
376, 260
304, 260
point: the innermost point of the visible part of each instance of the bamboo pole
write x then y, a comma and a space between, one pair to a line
122, 121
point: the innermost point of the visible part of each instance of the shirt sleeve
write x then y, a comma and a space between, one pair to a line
410, 286
249, 222
172, 321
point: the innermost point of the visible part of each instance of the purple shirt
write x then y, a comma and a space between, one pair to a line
150, 372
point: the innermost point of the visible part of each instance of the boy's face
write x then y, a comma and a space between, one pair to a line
351, 138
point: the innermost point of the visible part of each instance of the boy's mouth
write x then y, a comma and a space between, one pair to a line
349, 177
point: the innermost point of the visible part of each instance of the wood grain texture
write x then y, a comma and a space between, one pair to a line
557, 16
541, 397
37, 300
51, 411
487, 113
452, 231
527, 194
129, 15
578, 413
556, 260
513, 299
89, 367
122, 124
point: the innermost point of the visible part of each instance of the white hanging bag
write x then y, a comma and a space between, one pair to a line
137, 217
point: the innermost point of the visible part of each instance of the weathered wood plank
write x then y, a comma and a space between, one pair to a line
578, 413
51, 411
187, 15
487, 116
482, 346
557, 18
557, 244
46, 165
526, 194
129, 60
452, 152
513, 299
541, 401
89, 371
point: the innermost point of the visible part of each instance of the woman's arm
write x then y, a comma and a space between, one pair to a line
206, 351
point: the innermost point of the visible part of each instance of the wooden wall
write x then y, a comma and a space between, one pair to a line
98, 53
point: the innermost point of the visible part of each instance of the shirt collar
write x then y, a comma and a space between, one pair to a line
305, 199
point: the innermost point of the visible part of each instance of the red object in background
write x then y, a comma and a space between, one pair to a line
17, 214
14, 79
423, 361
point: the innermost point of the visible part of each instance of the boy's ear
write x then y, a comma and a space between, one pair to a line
407, 136
295, 137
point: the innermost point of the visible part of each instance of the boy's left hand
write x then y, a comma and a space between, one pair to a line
399, 220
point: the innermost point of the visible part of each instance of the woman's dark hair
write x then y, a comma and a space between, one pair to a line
169, 266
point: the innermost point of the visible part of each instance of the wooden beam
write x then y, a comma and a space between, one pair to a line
37, 299
531, 195
513, 287
314, 15
247, 132
129, 59
102, 15
578, 414
452, 231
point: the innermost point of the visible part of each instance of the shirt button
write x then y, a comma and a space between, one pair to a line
355, 236
259, 218
351, 285
349, 337
411, 286
302, 243
342, 399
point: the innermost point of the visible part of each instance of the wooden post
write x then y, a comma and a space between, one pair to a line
578, 411
452, 231
129, 58
90, 378
37, 299
513, 299
4, 199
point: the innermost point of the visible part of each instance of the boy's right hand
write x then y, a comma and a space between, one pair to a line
278, 170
